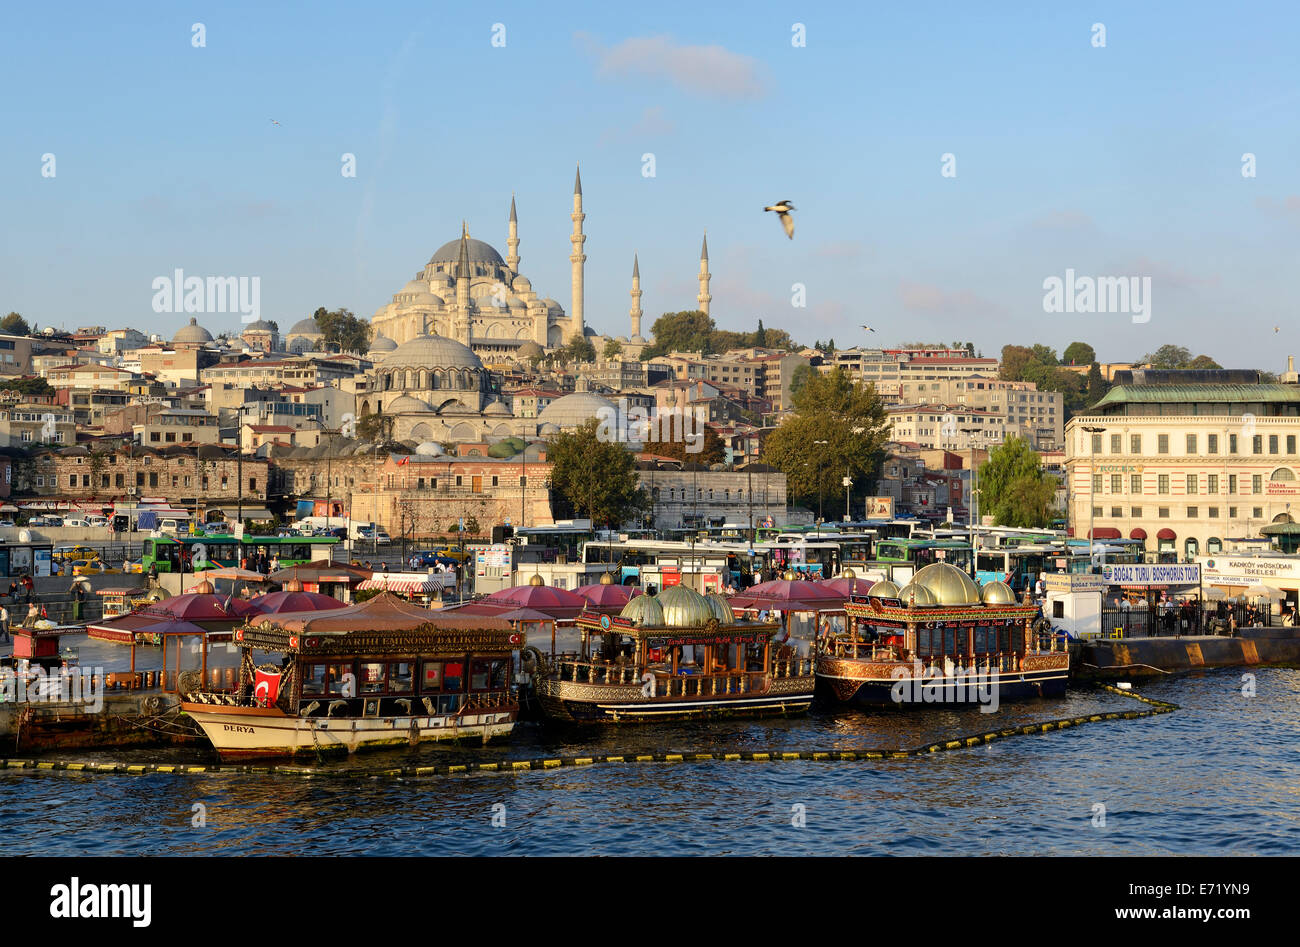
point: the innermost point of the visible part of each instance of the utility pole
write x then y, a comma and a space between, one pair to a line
1092, 478
972, 514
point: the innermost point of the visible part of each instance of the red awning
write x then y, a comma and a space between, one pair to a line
1138, 533
429, 584
1106, 532
1166, 533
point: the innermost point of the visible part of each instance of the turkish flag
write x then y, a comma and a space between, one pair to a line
266, 688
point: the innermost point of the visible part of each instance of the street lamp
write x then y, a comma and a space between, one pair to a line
1092, 482
972, 515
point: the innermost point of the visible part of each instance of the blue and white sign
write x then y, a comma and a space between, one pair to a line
1154, 574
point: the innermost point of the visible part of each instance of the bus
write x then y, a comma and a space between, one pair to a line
167, 553
899, 559
561, 542
636, 561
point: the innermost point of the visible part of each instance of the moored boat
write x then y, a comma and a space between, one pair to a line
382, 673
940, 640
676, 655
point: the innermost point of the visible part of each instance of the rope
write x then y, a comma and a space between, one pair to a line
509, 766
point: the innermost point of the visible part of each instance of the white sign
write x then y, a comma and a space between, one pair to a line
1153, 574
1076, 582
1250, 567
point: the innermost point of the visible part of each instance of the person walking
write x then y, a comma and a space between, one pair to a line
4, 623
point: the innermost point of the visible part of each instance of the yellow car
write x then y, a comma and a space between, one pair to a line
63, 553
456, 554
91, 567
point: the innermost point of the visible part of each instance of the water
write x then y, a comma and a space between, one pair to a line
1221, 776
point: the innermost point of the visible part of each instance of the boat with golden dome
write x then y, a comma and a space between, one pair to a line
673, 656
940, 639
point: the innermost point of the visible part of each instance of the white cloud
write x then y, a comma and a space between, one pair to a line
707, 70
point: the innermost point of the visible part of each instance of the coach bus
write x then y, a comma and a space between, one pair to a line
168, 554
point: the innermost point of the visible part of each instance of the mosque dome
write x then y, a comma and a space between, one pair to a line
406, 404
261, 325
644, 610
530, 349
684, 607
414, 287
574, 410
433, 351
521, 284
497, 409
429, 449
192, 334
381, 343
948, 584
305, 327
997, 593
477, 251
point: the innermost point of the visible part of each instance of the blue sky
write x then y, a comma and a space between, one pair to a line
1123, 160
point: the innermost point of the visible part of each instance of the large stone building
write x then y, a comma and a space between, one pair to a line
1185, 460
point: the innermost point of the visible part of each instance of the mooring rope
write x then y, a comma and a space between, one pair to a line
510, 766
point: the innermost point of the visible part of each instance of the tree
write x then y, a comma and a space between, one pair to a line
1168, 356
1097, 386
1079, 353
1014, 488
29, 386
578, 349
1203, 362
688, 331
760, 337
375, 427
849, 417
342, 330
799, 377
595, 477
14, 324
613, 349
1014, 360
712, 450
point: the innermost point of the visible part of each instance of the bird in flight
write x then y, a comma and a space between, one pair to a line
274, 122
1277, 328
783, 209
869, 329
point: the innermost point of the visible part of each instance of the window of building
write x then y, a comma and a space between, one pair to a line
1290, 443
1135, 443
1192, 512
1096, 483
1232, 512
1192, 480
1096, 443
1163, 512
1232, 483
1257, 511
1212, 483
1272, 443
1232, 443
1257, 483
459, 480
153, 480
118, 480
1135, 511
1117, 511
1212, 443
1097, 511
1257, 444
1115, 441
1134, 483
1162, 483
1191, 444
1162, 443
1116, 483
494, 481
1212, 512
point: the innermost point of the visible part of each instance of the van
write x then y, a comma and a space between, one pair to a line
96, 522
78, 522
170, 526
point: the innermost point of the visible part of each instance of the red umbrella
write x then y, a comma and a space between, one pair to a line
844, 587
787, 595
201, 606
606, 596
555, 603
292, 601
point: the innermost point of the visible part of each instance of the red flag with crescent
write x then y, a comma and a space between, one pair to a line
266, 688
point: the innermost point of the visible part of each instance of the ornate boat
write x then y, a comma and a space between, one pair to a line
382, 673
940, 640
677, 655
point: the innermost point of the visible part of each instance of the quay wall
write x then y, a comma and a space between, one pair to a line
148, 719
1152, 657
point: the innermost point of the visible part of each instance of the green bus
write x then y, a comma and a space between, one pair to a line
900, 559
167, 553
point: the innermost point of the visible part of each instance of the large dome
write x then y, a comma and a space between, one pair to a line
407, 404
573, 410
381, 343
478, 251
305, 327
948, 584
684, 607
192, 334
998, 593
433, 351
644, 610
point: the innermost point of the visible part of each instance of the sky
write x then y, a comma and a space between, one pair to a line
1122, 159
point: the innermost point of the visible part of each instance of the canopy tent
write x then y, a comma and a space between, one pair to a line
384, 612
607, 596
788, 595
408, 583
273, 603
321, 571
555, 602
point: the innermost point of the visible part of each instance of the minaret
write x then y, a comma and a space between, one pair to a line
512, 241
577, 258
705, 275
462, 287
635, 311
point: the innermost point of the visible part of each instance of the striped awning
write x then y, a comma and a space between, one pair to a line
410, 583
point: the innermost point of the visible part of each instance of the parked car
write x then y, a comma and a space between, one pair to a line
91, 567
96, 522
62, 553
77, 521
37, 521
216, 529
8, 523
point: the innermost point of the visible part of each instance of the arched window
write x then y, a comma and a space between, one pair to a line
1282, 475
1213, 546
1191, 548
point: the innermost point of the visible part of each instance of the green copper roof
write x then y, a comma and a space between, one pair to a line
1183, 394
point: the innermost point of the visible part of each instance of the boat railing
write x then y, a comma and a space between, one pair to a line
582, 671
487, 700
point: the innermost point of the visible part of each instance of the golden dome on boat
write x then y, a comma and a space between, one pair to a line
684, 607
536, 580
948, 584
644, 610
848, 574
721, 608
913, 594
606, 578
997, 593
789, 575
883, 589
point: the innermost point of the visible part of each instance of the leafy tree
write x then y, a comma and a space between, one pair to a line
688, 331
578, 349
375, 427
14, 324
830, 346
1203, 362
799, 377
1014, 488
613, 349
849, 417
760, 337
1079, 353
595, 477
1168, 356
342, 331
35, 386
1015, 358
712, 451
1097, 386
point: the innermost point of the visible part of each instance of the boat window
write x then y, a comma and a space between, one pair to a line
488, 675
981, 639
442, 677
453, 677
431, 683
372, 677
949, 641
313, 679
334, 677
401, 677
923, 640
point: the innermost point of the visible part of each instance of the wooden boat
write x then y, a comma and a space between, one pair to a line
382, 673
940, 640
677, 655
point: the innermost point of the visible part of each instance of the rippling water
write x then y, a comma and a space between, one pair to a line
1219, 776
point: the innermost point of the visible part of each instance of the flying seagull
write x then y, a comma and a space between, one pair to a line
869, 329
274, 122
783, 209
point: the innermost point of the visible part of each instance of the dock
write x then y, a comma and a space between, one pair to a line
1108, 659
